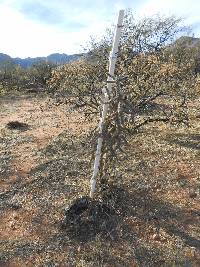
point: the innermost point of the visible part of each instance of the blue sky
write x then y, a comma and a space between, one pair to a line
41, 27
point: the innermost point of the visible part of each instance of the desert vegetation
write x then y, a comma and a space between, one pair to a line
15, 78
151, 66
146, 208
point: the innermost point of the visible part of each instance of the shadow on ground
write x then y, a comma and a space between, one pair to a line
191, 141
121, 219
123, 227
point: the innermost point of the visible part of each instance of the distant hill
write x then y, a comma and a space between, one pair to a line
56, 58
188, 41
60, 59
4, 57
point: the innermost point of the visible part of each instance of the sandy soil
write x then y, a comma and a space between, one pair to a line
156, 208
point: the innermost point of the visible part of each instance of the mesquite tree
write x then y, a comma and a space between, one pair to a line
152, 66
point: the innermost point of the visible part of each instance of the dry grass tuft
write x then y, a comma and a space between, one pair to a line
150, 215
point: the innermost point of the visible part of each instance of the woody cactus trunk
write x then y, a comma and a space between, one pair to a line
106, 94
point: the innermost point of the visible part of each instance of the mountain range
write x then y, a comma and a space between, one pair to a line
60, 59
56, 58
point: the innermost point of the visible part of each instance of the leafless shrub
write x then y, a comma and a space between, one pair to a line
152, 69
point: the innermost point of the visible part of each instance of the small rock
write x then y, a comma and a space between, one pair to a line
156, 237
12, 225
15, 217
192, 194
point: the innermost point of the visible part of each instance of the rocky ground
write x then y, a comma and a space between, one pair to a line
150, 217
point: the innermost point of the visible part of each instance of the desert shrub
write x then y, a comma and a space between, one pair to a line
14, 77
39, 73
152, 67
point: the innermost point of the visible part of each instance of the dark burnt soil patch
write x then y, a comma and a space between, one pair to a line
85, 218
17, 125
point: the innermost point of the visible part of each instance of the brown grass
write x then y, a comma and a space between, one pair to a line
155, 196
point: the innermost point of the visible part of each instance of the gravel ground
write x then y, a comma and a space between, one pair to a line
150, 216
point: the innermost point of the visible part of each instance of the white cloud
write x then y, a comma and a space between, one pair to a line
22, 37
187, 9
